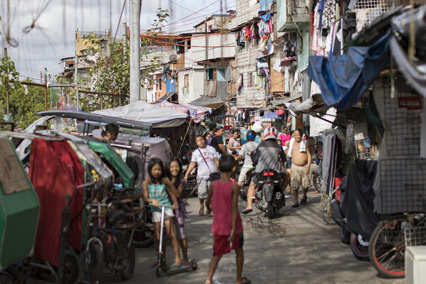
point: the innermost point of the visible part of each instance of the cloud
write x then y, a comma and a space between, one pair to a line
53, 36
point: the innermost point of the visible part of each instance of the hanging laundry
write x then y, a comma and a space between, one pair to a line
329, 15
247, 33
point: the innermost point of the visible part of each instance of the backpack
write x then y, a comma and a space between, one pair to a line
209, 140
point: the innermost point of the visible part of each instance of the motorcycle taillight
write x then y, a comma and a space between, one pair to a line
268, 174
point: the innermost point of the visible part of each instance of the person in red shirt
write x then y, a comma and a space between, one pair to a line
227, 225
285, 136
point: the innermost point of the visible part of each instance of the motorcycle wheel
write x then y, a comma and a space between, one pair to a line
387, 248
129, 263
345, 236
270, 211
359, 247
243, 192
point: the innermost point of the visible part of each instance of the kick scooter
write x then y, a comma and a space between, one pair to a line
162, 268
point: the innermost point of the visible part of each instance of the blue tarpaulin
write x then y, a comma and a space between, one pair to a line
343, 79
170, 86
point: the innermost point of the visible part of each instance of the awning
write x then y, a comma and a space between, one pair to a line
158, 117
208, 102
286, 100
165, 97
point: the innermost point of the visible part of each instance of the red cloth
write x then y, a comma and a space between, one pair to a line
53, 173
338, 193
222, 246
70, 159
222, 208
247, 35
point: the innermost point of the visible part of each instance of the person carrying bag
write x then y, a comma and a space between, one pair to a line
206, 159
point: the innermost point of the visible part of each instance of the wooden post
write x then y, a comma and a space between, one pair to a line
7, 81
102, 101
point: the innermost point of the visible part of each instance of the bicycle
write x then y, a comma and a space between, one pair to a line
111, 245
389, 240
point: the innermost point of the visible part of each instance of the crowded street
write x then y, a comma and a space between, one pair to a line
295, 247
213, 141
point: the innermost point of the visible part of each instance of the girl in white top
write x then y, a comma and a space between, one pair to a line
233, 142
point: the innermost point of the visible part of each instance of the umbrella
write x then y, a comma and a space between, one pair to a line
271, 115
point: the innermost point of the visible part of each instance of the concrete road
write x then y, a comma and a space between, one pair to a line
295, 247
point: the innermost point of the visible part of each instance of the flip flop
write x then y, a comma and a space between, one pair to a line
210, 214
201, 213
246, 211
175, 266
246, 281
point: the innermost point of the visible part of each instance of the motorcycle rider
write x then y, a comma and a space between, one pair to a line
245, 152
268, 155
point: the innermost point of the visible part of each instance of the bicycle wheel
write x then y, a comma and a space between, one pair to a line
95, 262
387, 247
70, 268
128, 263
327, 211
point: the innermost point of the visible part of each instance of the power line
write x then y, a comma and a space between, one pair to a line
118, 25
194, 12
171, 43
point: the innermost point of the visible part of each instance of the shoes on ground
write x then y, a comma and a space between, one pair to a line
295, 205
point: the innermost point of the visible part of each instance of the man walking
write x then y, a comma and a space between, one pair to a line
301, 159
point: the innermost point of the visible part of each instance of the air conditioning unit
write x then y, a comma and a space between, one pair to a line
415, 264
292, 14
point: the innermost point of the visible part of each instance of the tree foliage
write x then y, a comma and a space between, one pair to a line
110, 70
8, 77
24, 102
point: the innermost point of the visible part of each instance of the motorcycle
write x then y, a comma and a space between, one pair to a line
353, 211
269, 196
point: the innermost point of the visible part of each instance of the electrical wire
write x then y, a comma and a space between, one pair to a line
188, 45
118, 25
192, 13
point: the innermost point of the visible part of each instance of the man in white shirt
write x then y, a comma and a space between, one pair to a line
206, 158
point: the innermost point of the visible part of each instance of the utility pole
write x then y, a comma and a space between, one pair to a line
7, 81
206, 54
76, 82
135, 57
45, 88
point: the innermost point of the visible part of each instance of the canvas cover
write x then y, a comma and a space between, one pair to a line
55, 171
115, 161
159, 117
344, 79
141, 150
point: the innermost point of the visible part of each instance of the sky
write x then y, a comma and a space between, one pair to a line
41, 32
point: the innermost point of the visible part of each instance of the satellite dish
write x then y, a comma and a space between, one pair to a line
173, 57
